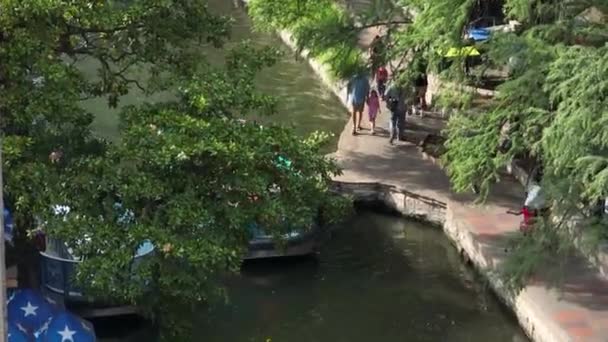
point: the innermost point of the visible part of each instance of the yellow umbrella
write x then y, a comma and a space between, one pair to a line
460, 52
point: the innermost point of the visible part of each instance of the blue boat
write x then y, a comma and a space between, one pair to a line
58, 261
298, 242
57, 270
58, 265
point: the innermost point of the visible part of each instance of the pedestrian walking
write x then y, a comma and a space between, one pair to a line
421, 87
357, 90
381, 79
377, 50
373, 109
397, 98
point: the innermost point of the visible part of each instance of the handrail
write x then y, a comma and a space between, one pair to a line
78, 261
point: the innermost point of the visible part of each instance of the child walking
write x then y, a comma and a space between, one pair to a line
373, 107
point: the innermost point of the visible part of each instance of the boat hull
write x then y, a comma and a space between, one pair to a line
305, 244
57, 273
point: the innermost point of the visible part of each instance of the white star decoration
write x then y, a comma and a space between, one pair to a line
66, 334
29, 309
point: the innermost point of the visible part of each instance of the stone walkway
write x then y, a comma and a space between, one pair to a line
573, 309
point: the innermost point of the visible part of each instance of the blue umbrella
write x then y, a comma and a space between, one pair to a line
65, 327
29, 309
8, 225
17, 333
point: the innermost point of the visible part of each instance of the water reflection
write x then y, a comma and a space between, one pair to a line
304, 101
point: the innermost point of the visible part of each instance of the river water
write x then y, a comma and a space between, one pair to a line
378, 278
304, 102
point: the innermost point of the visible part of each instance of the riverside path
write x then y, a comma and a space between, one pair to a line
572, 309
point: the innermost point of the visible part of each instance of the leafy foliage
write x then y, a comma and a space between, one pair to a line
554, 103
323, 27
186, 175
544, 245
194, 185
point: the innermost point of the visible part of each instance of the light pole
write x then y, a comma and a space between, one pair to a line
3, 325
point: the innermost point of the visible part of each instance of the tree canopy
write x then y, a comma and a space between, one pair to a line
553, 100
188, 173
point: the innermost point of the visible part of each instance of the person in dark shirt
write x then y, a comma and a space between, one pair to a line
398, 98
421, 84
376, 54
381, 79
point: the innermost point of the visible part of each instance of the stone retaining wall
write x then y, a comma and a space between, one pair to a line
400, 200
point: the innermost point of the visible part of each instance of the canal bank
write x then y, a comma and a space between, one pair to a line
403, 178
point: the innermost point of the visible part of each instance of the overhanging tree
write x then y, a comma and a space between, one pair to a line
188, 173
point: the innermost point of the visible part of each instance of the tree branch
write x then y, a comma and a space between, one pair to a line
132, 81
384, 23
78, 30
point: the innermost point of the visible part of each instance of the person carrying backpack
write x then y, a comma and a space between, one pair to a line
396, 102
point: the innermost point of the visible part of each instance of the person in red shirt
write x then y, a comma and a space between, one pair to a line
381, 78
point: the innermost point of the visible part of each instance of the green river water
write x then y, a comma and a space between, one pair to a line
379, 278
304, 104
